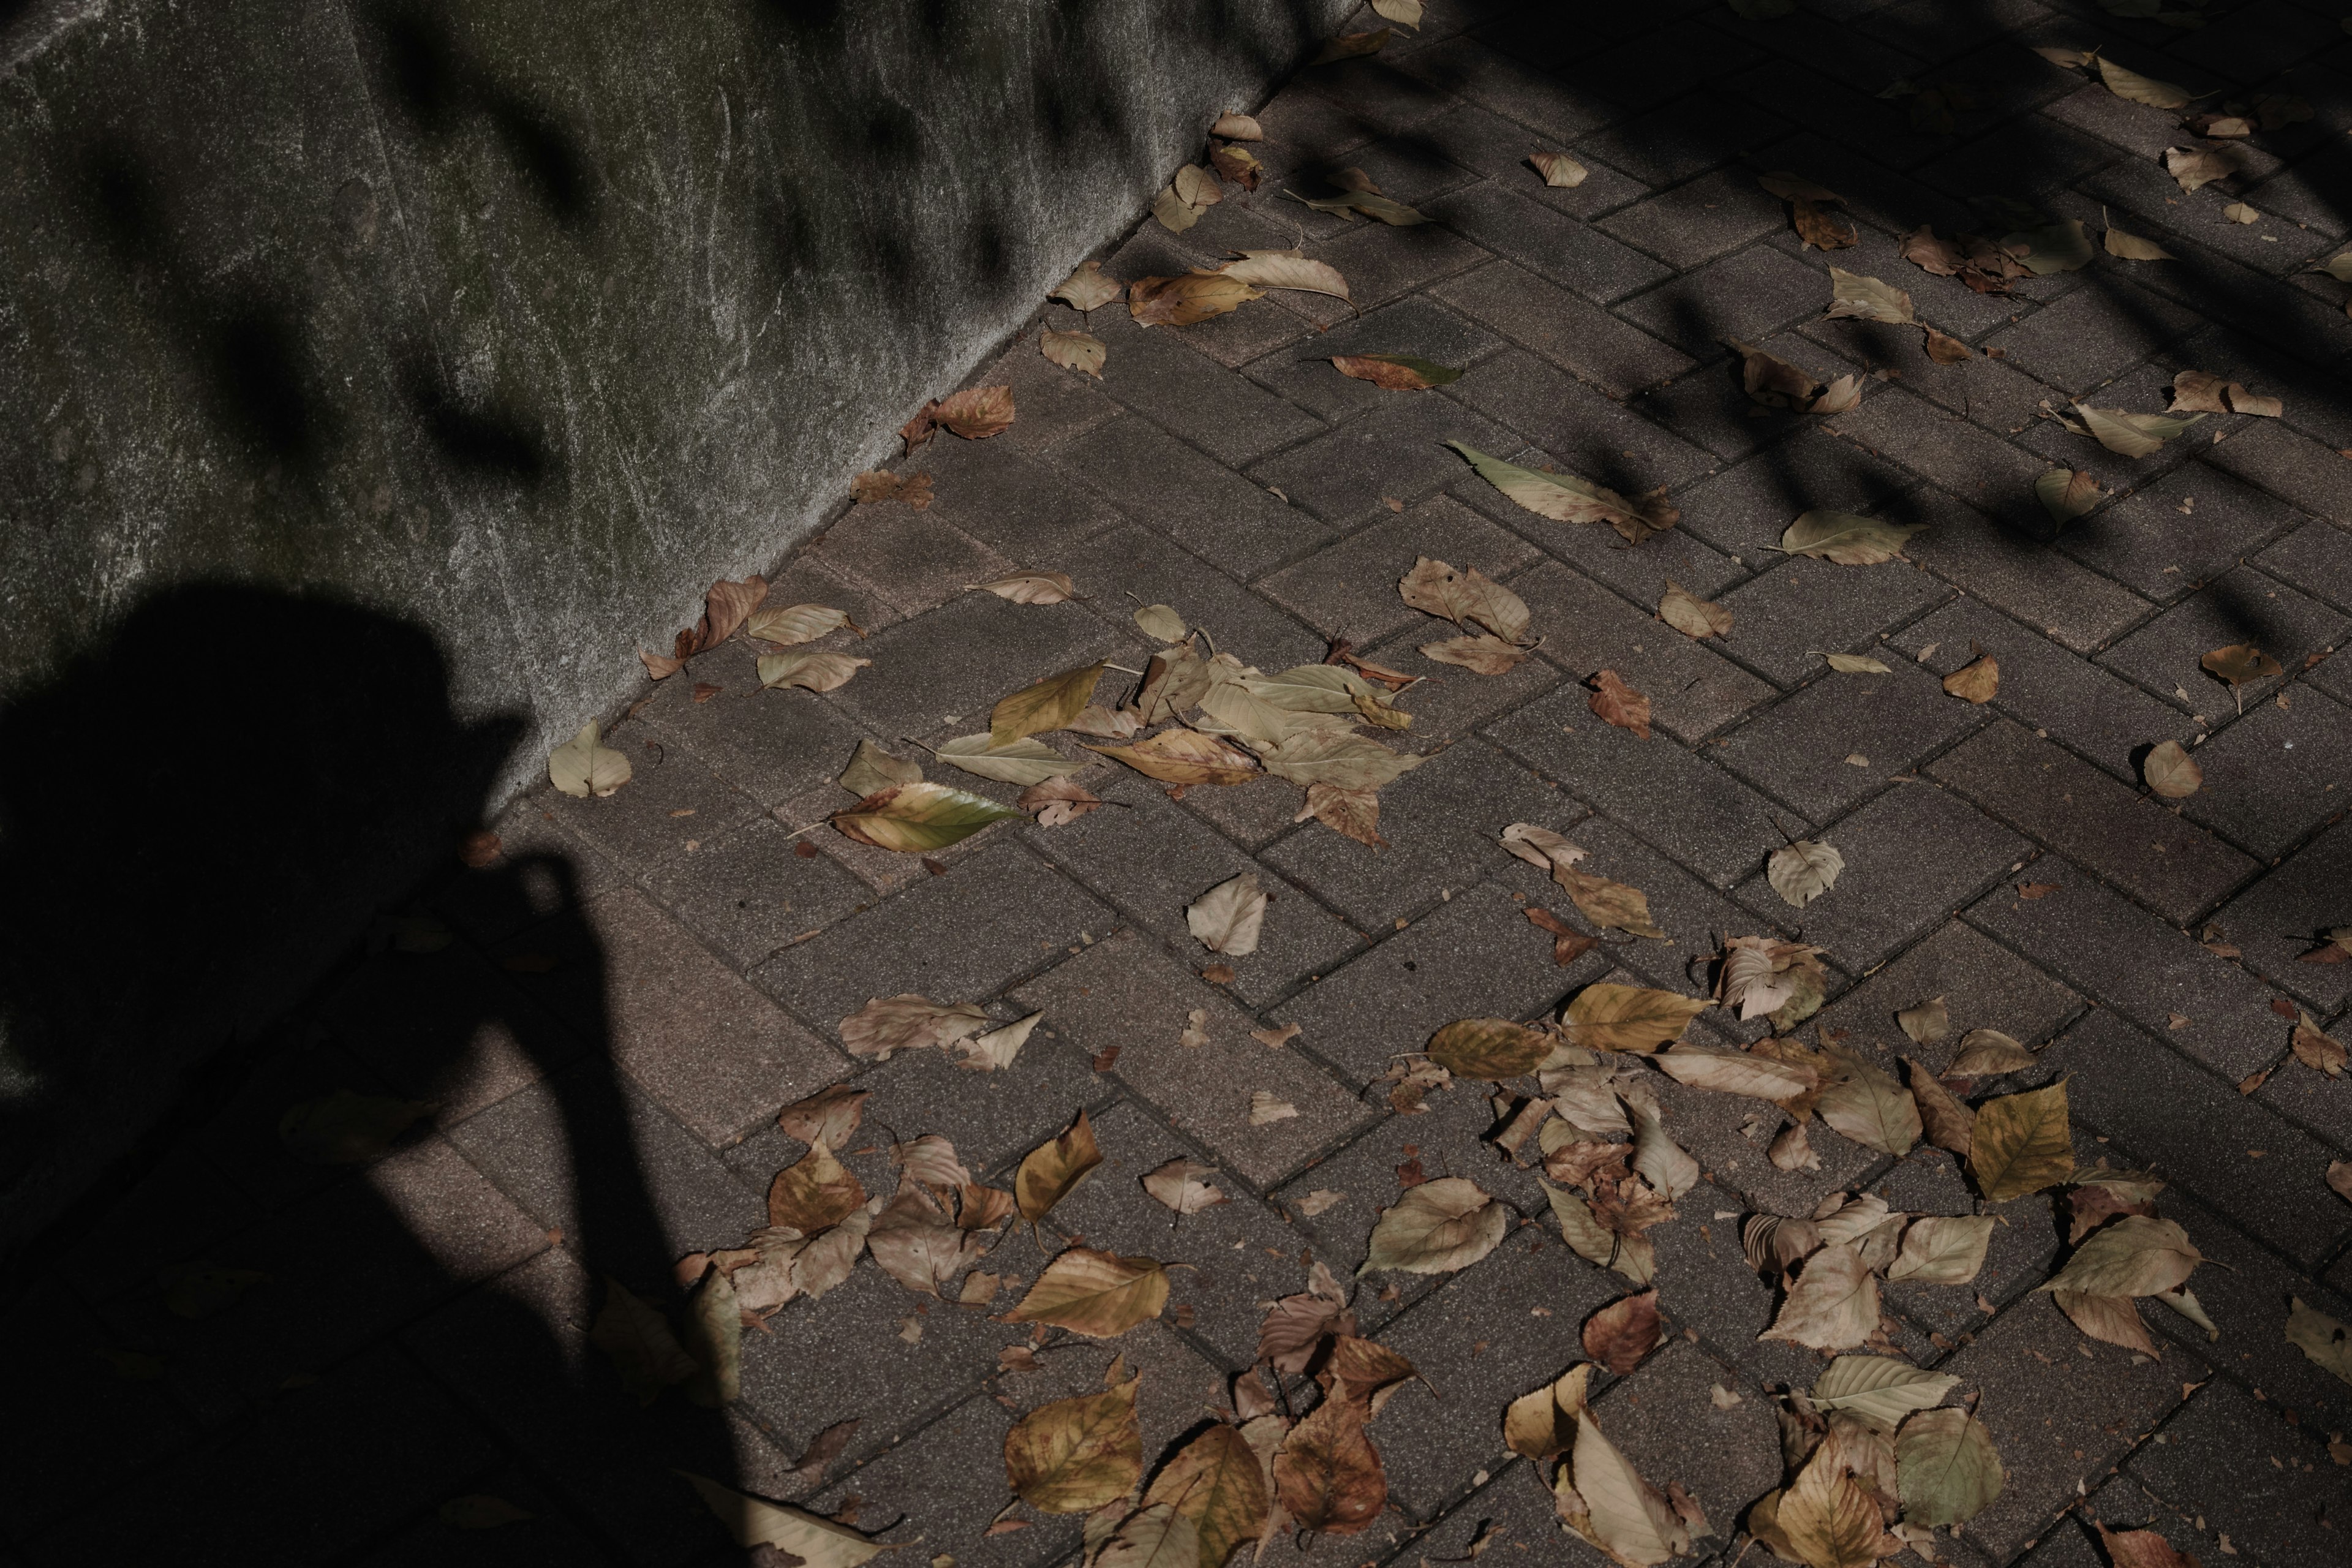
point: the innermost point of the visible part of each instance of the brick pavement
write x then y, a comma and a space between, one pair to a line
634, 991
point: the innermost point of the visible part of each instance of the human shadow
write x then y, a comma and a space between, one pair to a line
190, 854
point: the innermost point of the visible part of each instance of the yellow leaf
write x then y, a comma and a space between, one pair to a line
1072, 351
2021, 1143
1056, 1167
1074, 1454
581, 767
1050, 704
1611, 1017
916, 819
1098, 1294
1180, 301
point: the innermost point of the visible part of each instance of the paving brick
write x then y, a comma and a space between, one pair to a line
1799, 750
1872, 191
1748, 295
2142, 1096
1349, 589
589, 1154
1578, 426
632, 981
1912, 856
2147, 544
770, 745
2275, 775
2245, 1289
1150, 858
1473, 957
1966, 459
1450, 703
1156, 571
2149, 385
1746, 508
1513, 1512
1010, 500
2119, 954
2031, 158
748, 893
912, 559
1127, 992
2263, 1484
950, 668
1431, 1451
1546, 242
544, 1540
1396, 449
1661, 64
2279, 919
1672, 797
1381, 263
1373, 89
959, 938
1729, 1136
2096, 714
1154, 372
2125, 835
1711, 408
1468, 68
1251, 814
1640, 573
444, 1027
2240, 605
1697, 222
2044, 1400
1052, 405
1441, 821
2317, 560
945, 1481
241, 1138
1677, 141
1693, 690
1997, 561
1500, 148
671, 796
1784, 620
1162, 483
1619, 359
1985, 986
1983, 388
1692, 914
1238, 1254
1833, 107
1414, 325
334, 1464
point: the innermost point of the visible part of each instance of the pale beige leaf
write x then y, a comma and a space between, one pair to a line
1856, 664
1943, 1250
2130, 84
1558, 169
1161, 621
1985, 1053
1737, 1072
1436, 1227
1352, 811
1846, 539
1657, 1158
1057, 801
1539, 1425
1834, 1305
1564, 498
1337, 758
810, 671
1480, 655
1154, 1536
872, 769
1031, 588
795, 624
2137, 1255
2326, 1342
1186, 757
2134, 247
1692, 616
2066, 495
1945, 1121
1081, 352
1802, 871
1867, 298
1631, 1256
2171, 772
1828, 1520
1025, 761
908, 1021
1087, 287
1625, 1516
1229, 917
1098, 1294
1926, 1023
1864, 1102
1195, 296
1183, 1185
1236, 127
1287, 269
583, 767
1879, 1389
1976, 681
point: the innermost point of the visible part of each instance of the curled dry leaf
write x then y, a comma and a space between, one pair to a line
1237, 165
997, 1047
2198, 167
1620, 1334
1803, 870
2139, 89
1867, 298
1356, 813
1558, 169
2021, 1143
1946, 348
1879, 1390
2198, 392
1480, 655
1286, 269
1081, 352
1738, 1073
1567, 943
1986, 1053
1564, 498
916, 819
975, 414
2326, 1342
2133, 247
1395, 373
1180, 301
790, 624
1218, 1482
582, 766
1228, 918
1435, 1229
1057, 801
2123, 433
829, 1116
1186, 757
1978, 681
2316, 1050
810, 671
2240, 663
1237, 128
1086, 287
1605, 1016
2066, 495
1614, 702
1054, 1168
1692, 616
2171, 772
814, 1194
1074, 1454
2141, 1548
908, 1021
1847, 540
1927, 1022
1098, 1294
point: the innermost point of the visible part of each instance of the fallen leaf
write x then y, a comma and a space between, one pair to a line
2139, 89
1567, 943
1371, 204
1480, 655
1494, 1049
1180, 301
1803, 870
2066, 495
814, 1194
1867, 298
2316, 1049
1847, 540
1818, 226
1025, 761
1833, 1305
1352, 811
1864, 1102
2171, 772
1287, 269
2133, 247
1539, 1424
810, 671
1098, 1294
2136, 1255
1395, 373
1564, 498
1186, 757
1351, 46
1614, 702
2240, 663
1978, 681
1228, 918
2061, 247
1236, 127
644, 1352
1620, 1334
908, 1021
1692, 616
2140, 1548
1074, 1454
1793, 1150
1087, 288
916, 819
1558, 169
1949, 1472
1465, 597
2110, 1319
2240, 212
2021, 1143
1927, 1022
1943, 1250
2326, 1342
803, 1537
1856, 664
1598, 1494
581, 767
1265, 1109
1327, 1475
1182, 1185
2127, 434
1740, 1072
790, 624
1946, 348
1945, 1119
2197, 392
1435, 1229
1238, 164
1218, 1482
1611, 1017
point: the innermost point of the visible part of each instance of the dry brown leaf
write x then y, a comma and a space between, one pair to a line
1086, 287
1183, 1185
1238, 164
1228, 918
1978, 681
1614, 702
1834, 1305
1692, 616
814, 1195
1945, 1119
1395, 373
1057, 801
1180, 301
908, 1021
1074, 1454
1054, 1168
2021, 1143
1480, 655
1186, 757
1820, 227
827, 1117
1081, 352
1029, 587
1219, 1483
2140, 1548
1946, 348
1326, 1474
810, 671
1539, 1424
1436, 1227
1567, 943
1237, 127
2171, 772
2316, 1050
1355, 813
1465, 597
1620, 1334
1098, 1294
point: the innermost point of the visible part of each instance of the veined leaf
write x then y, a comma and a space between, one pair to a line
1098, 1294
1025, 762
1848, 540
916, 819
1074, 1454
1564, 498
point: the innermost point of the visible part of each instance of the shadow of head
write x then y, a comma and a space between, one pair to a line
198, 814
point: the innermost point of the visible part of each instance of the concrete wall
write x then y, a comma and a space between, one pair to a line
513, 320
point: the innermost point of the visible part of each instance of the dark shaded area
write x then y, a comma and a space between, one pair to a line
444, 89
